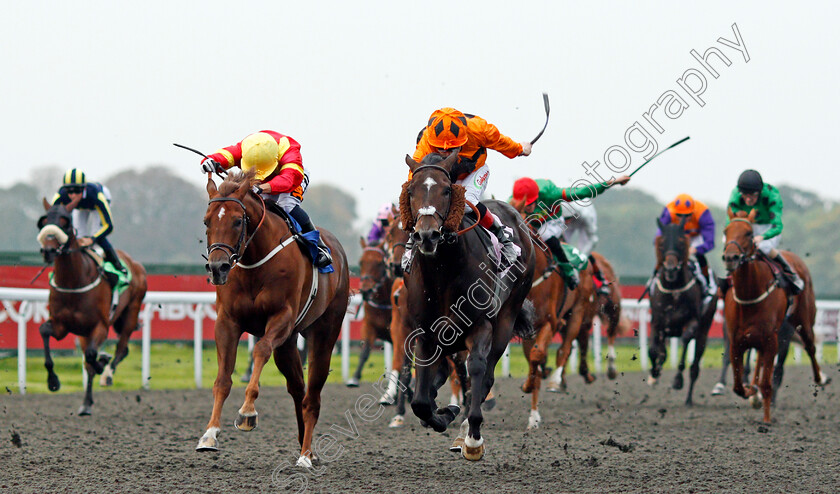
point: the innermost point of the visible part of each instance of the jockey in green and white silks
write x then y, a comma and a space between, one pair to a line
541, 201
753, 194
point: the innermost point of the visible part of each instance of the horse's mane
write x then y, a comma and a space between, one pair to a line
234, 180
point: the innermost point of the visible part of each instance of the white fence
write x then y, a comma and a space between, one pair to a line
198, 305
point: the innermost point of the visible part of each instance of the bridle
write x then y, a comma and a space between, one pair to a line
743, 256
450, 237
234, 252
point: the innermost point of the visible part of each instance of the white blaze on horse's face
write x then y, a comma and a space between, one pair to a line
427, 211
429, 183
221, 212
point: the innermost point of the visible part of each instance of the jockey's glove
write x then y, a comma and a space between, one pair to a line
209, 165
256, 189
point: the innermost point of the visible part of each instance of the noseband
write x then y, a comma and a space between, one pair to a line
234, 252
446, 236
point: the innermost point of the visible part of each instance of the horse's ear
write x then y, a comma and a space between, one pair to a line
730, 213
683, 221
362, 242
752, 214
211, 186
449, 162
412, 165
46, 204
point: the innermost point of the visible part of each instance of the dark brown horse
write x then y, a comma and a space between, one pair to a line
457, 299
758, 313
80, 301
265, 286
677, 306
395, 240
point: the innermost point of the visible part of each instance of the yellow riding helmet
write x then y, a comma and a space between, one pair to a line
74, 177
259, 151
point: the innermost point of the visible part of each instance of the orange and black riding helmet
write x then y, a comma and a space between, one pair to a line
447, 128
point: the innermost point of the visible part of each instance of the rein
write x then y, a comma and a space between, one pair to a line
235, 252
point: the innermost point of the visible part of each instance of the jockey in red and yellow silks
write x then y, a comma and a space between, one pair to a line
278, 166
448, 130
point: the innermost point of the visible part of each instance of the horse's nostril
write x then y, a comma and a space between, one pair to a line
207, 267
415, 236
224, 268
435, 236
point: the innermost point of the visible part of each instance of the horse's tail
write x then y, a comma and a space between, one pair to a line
523, 327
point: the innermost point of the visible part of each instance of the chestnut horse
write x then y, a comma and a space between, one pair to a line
558, 309
79, 303
457, 299
609, 311
676, 306
759, 314
266, 286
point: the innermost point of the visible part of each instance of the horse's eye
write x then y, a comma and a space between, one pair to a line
447, 191
237, 222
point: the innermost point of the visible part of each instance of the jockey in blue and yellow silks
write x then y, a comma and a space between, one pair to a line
278, 164
700, 228
82, 198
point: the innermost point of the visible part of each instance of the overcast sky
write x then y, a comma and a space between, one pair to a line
107, 86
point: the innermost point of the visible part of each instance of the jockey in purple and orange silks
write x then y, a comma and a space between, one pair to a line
378, 229
278, 164
700, 228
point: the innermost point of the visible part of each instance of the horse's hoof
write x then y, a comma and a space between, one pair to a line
473, 450
489, 404
53, 383
84, 410
589, 379
449, 412
304, 462
612, 373
207, 443
678, 382
756, 401
719, 389
652, 381
457, 445
534, 420
527, 387
824, 379
352, 383
396, 422
245, 423
554, 388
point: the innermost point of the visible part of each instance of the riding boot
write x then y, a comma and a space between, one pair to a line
602, 285
405, 262
111, 255
795, 281
553, 243
509, 254
698, 274
324, 258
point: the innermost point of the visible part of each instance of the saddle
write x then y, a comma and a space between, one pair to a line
308, 241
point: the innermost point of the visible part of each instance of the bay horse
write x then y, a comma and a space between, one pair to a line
267, 287
557, 309
760, 314
456, 298
676, 306
375, 286
79, 303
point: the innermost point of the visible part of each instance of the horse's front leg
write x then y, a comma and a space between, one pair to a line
657, 353
46, 330
428, 357
480, 368
277, 330
94, 364
227, 339
736, 356
687, 334
368, 339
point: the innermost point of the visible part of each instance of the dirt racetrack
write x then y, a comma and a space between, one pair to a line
612, 436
